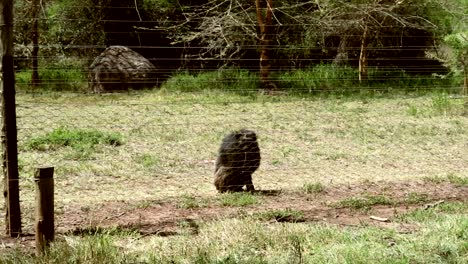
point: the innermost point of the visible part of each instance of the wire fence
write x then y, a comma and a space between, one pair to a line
163, 147
162, 143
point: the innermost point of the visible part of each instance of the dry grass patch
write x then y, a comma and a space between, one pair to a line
171, 140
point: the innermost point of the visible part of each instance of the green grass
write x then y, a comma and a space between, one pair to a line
238, 199
441, 104
190, 202
440, 212
100, 231
82, 142
416, 198
323, 79
287, 215
69, 74
458, 180
320, 79
171, 141
343, 80
147, 160
75, 138
451, 178
313, 188
229, 80
54, 79
439, 236
364, 202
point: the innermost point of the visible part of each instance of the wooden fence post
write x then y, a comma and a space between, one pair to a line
44, 178
9, 133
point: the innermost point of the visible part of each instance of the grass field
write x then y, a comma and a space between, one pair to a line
133, 178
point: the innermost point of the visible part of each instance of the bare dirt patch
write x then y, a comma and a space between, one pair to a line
166, 217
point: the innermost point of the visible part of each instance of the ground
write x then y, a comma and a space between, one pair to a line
334, 161
167, 217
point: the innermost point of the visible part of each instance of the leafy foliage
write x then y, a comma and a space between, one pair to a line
200, 35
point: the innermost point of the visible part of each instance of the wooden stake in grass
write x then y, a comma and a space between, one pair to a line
44, 178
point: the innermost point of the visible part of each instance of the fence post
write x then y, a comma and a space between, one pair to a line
9, 133
44, 178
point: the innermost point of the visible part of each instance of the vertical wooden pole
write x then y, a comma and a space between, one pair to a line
35, 41
9, 133
265, 35
363, 55
44, 178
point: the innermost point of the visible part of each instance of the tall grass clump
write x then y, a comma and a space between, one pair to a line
399, 80
238, 199
229, 79
286, 215
75, 138
78, 144
189, 202
442, 104
450, 177
330, 78
365, 202
67, 74
318, 79
313, 188
90, 249
438, 235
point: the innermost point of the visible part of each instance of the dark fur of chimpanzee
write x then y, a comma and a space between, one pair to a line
238, 158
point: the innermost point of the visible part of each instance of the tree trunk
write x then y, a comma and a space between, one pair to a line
465, 80
342, 52
363, 56
265, 25
35, 42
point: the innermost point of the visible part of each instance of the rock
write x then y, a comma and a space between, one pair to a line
119, 68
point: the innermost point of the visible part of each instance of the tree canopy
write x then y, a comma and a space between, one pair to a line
204, 34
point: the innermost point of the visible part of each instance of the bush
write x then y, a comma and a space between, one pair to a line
64, 75
230, 79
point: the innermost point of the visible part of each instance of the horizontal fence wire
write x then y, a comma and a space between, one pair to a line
167, 150
406, 122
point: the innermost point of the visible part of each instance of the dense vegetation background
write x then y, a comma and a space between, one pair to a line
133, 171
379, 39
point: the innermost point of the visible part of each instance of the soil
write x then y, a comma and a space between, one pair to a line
167, 217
